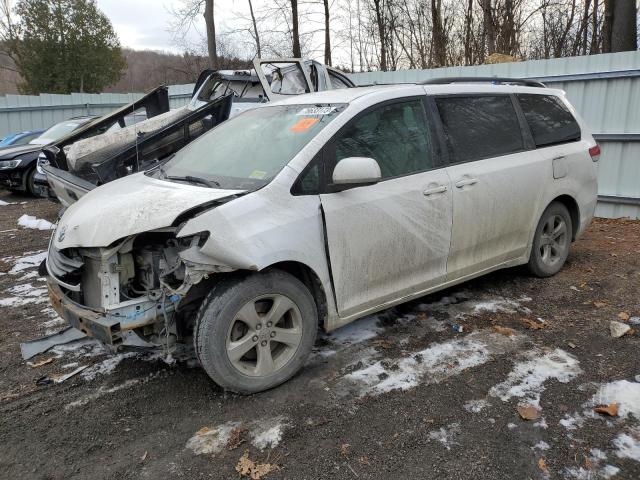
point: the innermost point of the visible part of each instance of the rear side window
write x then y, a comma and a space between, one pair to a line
479, 127
550, 121
395, 135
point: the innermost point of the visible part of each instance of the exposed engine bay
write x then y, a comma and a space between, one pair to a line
143, 284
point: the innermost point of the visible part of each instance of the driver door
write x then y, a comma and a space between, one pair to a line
389, 240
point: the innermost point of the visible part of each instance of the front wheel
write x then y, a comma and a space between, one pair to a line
255, 332
551, 241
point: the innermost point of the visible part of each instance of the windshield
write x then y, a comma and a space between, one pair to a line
247, 151
59, 130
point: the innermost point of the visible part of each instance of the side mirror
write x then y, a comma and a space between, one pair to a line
356, 172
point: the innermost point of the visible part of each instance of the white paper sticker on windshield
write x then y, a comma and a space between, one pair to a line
316, 111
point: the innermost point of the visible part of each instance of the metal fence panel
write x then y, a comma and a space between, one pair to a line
605, 89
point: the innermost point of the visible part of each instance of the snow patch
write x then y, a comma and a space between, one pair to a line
29, 260
460, 305
541, 445
432, 364
102, 391
24, 294
356, 332
263, 433
446, 435
628, 444
476, 406
527, 379
29, 221
626, 394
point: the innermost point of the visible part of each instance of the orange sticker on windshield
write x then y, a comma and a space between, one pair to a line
303, 124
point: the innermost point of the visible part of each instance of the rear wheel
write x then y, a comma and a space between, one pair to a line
551, 242
255, 332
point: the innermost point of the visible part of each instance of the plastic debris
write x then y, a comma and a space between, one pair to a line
42, 344
45, 380
456, 327
618, 329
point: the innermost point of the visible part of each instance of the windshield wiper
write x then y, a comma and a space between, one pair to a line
192, 179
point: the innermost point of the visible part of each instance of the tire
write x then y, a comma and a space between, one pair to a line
29, 184
551, 242
240, 315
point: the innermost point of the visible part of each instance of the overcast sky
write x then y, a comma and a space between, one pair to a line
144, 24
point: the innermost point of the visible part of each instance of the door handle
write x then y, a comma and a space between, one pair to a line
466, 181
434, 190
561, 157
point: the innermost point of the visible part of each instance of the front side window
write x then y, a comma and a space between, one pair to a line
550, 121
395, 135
247, 151
477, 127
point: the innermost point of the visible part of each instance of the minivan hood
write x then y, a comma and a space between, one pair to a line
133, 204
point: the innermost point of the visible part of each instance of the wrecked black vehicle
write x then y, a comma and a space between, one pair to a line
80, 161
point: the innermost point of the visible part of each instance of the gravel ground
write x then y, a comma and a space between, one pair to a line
397, 395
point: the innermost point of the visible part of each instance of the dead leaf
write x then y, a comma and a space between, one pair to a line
528, 412
344, 449
144, 456
542, 465
599, 304
583, 285
614, 254
202, 431
611, 409
422, 316
571, 344
235, 438
364, 461
532, 324
383, 344
504, 330
248, 468
42, 362
624, 316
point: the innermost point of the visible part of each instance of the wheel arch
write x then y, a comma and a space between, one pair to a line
311, 280
574, 210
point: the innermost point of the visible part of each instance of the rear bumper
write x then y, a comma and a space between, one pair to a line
92, 323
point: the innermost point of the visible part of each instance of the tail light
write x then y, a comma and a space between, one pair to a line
595, 153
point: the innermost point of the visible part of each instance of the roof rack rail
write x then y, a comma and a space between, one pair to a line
496, 80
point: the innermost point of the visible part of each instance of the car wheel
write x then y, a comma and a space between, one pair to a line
254, 332
30, 181
551, 242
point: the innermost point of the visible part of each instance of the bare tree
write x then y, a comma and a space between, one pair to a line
327, 34
295, 32
184, 19
255, 30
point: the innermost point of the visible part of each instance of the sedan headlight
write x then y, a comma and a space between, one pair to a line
42, 162
8, 164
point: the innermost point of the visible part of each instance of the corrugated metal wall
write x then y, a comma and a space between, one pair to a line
605, 89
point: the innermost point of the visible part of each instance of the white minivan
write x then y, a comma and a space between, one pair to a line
320, 209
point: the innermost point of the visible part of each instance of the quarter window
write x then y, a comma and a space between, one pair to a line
394, 135
550, 121
479, 127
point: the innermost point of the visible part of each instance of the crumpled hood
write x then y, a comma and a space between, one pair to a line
133, 204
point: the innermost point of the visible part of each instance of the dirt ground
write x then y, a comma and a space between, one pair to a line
397, 395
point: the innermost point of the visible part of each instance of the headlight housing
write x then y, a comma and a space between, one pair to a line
8, 164
42, 162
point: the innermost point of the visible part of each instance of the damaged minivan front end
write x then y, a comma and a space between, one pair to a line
140, 282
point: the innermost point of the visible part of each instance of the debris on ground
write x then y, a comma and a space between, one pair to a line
611, 409
144, 456
44, 361
533, 324
248, 468
542, 465
624, 316
618, 329
59, 378
344, 449
528, 412
40, 345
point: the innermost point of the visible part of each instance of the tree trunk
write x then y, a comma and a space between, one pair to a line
297, 53
489, 27
437, 35
594, 30
381, 33
624, 32
211, 34
606, 26
255, 29
468, 45
327, 34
